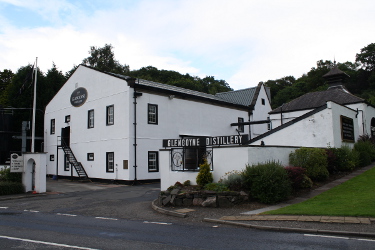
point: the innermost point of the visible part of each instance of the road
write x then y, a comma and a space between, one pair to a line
121, 218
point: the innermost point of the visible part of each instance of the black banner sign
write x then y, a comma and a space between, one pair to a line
206, 141
78, 97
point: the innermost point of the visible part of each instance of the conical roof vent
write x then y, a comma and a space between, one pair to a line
336, 78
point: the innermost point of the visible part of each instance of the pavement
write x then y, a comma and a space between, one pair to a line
242, 216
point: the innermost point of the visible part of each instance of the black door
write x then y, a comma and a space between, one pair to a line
65, 136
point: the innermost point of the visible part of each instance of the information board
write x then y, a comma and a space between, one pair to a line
16, 163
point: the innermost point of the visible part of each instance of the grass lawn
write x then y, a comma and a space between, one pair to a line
355, 197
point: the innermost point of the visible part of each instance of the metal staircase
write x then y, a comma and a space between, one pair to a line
73, 161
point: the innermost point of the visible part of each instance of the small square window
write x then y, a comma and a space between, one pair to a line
152, 114
67, 118
52, 157
90, 156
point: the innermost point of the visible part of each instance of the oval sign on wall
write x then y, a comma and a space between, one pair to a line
78, 97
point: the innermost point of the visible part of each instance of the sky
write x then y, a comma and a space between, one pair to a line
242, 42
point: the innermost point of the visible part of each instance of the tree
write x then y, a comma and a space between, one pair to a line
5, 79
366, 58
104, 59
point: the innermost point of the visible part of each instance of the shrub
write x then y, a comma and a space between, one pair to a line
298, 178
332, 161
217, 187
314, 160
187, 183
267, 182
346, 159
204, 176
7, 176
11, 188
234, 181
366, 152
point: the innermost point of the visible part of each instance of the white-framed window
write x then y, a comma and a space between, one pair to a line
110, 115
153, 161
52, 126
152, 114
240, 127
90, 118
110, 162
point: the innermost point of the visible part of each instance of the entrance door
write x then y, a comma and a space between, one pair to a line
65, 136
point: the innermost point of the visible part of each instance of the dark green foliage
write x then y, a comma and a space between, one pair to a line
234, 181
314, 160
187, 183
298, 178
366, 152
11, 188
267, 182
7, 176
346, 159
204, 176
217, 187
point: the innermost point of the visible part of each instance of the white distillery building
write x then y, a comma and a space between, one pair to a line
102, 125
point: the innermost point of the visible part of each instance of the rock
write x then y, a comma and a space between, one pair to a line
209, 202
224, 202
197, 201
187, 202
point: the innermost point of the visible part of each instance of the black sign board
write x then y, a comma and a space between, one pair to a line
206, 141
78, 97
347, 129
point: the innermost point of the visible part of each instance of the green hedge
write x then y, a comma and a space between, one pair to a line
314, 160
268, 182
11, 188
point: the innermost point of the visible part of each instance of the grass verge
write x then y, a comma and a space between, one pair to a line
355, 197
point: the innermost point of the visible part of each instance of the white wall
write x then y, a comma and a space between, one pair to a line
261, 113
225, 159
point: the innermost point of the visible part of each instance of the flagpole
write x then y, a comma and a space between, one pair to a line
34, 108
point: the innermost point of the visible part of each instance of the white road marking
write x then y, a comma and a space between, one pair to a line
3, 207
337, 237
159, 223
31, 211
72, 215
365, 240
45, 243
105, 218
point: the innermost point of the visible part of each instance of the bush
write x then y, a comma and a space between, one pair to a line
314, 160
234, 181
366, 152
298, 178
187, 183
11, 188
332, 161
217, 187
346, 159
204, 176
267, 182
7, 176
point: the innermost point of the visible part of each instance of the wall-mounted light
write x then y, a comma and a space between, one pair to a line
171, 97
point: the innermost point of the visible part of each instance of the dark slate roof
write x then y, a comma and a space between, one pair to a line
335, 71
243, 96
316, 99
173, 90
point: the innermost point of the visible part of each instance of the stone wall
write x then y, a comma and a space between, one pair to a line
202, 198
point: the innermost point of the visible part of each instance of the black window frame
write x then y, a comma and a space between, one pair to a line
52, 157
107, 162
263, 101
52, 126
67, 118
155, 115
66, 163
156, 160
89, 158
89, 125
108, 122
241, 128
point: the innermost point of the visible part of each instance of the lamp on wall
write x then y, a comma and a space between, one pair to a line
171, 97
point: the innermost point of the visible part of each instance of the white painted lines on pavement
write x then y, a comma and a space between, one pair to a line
31, 211
3, 207
45, 243
159, 223
72, 215
336, 237
105, 218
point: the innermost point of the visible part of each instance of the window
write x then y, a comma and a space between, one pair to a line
110, 115
52, 126
240, 127
90, 156
66, 163
152, 114
52, 157
153, 161
110, 161
67, 118
90, 119
263, 101
269, 127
